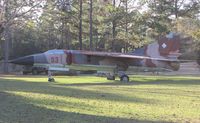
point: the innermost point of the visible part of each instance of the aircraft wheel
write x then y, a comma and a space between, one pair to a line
111, 78
51, 80
124, 78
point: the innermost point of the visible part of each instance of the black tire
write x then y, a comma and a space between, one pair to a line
35, 72
111, 78
51, 80
124, 78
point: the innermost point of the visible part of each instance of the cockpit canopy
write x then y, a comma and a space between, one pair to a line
55, 51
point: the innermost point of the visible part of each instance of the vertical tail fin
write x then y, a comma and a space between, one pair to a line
166, 46
169, 45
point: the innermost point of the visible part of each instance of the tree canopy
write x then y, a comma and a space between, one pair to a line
32, 26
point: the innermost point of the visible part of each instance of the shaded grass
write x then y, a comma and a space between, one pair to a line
94, 99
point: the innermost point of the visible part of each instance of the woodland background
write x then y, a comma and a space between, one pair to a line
33, 26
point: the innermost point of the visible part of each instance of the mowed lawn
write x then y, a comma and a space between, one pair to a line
86, 99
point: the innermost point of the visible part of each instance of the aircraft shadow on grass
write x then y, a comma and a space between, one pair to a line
15, 109
67, 91
146, 82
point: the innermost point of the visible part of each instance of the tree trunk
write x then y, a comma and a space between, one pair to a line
126, 28
7, 39
68, 38
176, 13
62, 33
176, 9
6, 49
91, 36
80, 24
113, 31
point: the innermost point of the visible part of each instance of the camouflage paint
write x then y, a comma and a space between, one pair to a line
166, 47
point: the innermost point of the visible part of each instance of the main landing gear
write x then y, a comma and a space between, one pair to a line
110, 77
123, 77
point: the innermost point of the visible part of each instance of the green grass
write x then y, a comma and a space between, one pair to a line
29, 99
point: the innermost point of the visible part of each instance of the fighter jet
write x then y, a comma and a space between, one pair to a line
163, 53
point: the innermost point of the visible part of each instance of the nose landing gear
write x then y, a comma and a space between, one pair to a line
110, 77
50, 78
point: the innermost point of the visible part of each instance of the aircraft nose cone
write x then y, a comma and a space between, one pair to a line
26, 60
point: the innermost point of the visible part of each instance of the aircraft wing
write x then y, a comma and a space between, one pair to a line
126, 56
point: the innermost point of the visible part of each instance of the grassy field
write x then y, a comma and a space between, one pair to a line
73, 99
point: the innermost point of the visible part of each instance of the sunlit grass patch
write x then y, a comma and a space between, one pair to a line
95, 99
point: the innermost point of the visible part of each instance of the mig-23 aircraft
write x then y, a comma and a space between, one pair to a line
163, 54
